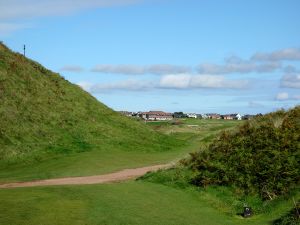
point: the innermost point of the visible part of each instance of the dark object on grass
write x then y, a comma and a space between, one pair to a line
247, 212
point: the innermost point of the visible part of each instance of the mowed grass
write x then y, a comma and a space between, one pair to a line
195, 132
129, 203
88, 163
134, 202
113, 158
191, 125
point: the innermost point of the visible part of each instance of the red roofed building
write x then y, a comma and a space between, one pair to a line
213, 116
156, 115
232, 117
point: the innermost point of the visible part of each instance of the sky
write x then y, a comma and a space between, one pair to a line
203, 56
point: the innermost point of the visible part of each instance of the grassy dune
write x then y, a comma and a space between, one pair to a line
50, 127
41, 112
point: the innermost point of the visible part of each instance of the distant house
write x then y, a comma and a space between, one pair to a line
213, 116
235, 116
238, 117
191, 115
156, 116
227, 117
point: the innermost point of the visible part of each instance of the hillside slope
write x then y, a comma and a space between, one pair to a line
42, 115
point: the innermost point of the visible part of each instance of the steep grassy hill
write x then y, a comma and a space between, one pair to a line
43, 115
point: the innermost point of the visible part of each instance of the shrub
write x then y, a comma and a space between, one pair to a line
261, 157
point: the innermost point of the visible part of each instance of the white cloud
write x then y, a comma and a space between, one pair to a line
241, 66
290, 69
129, 85
179, 82
72, 68
7, 27
187, 81
290, 81
282, 96
259, 63
211, 81
137, 70
253, 104
167, 69
119, 69
280, 55
23, 9
267, 67
13, 13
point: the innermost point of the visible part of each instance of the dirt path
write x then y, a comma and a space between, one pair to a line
122, 175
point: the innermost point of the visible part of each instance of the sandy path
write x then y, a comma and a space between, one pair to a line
122, 175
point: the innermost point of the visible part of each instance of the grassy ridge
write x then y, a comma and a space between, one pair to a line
40, 111
45, 118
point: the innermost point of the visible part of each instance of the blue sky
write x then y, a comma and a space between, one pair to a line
200, 56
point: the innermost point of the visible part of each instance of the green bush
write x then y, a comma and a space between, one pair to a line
261, 157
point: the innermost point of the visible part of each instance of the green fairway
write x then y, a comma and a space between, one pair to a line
100, 161
135, 202
88, 163
199, 129
194, 132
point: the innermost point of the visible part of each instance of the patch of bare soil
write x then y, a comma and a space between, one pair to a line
122, 175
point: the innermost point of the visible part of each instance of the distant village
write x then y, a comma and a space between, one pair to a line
162, 116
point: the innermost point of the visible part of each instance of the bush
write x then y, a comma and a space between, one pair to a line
261, 157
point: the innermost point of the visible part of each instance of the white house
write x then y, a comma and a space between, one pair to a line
238, 117
191, 115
